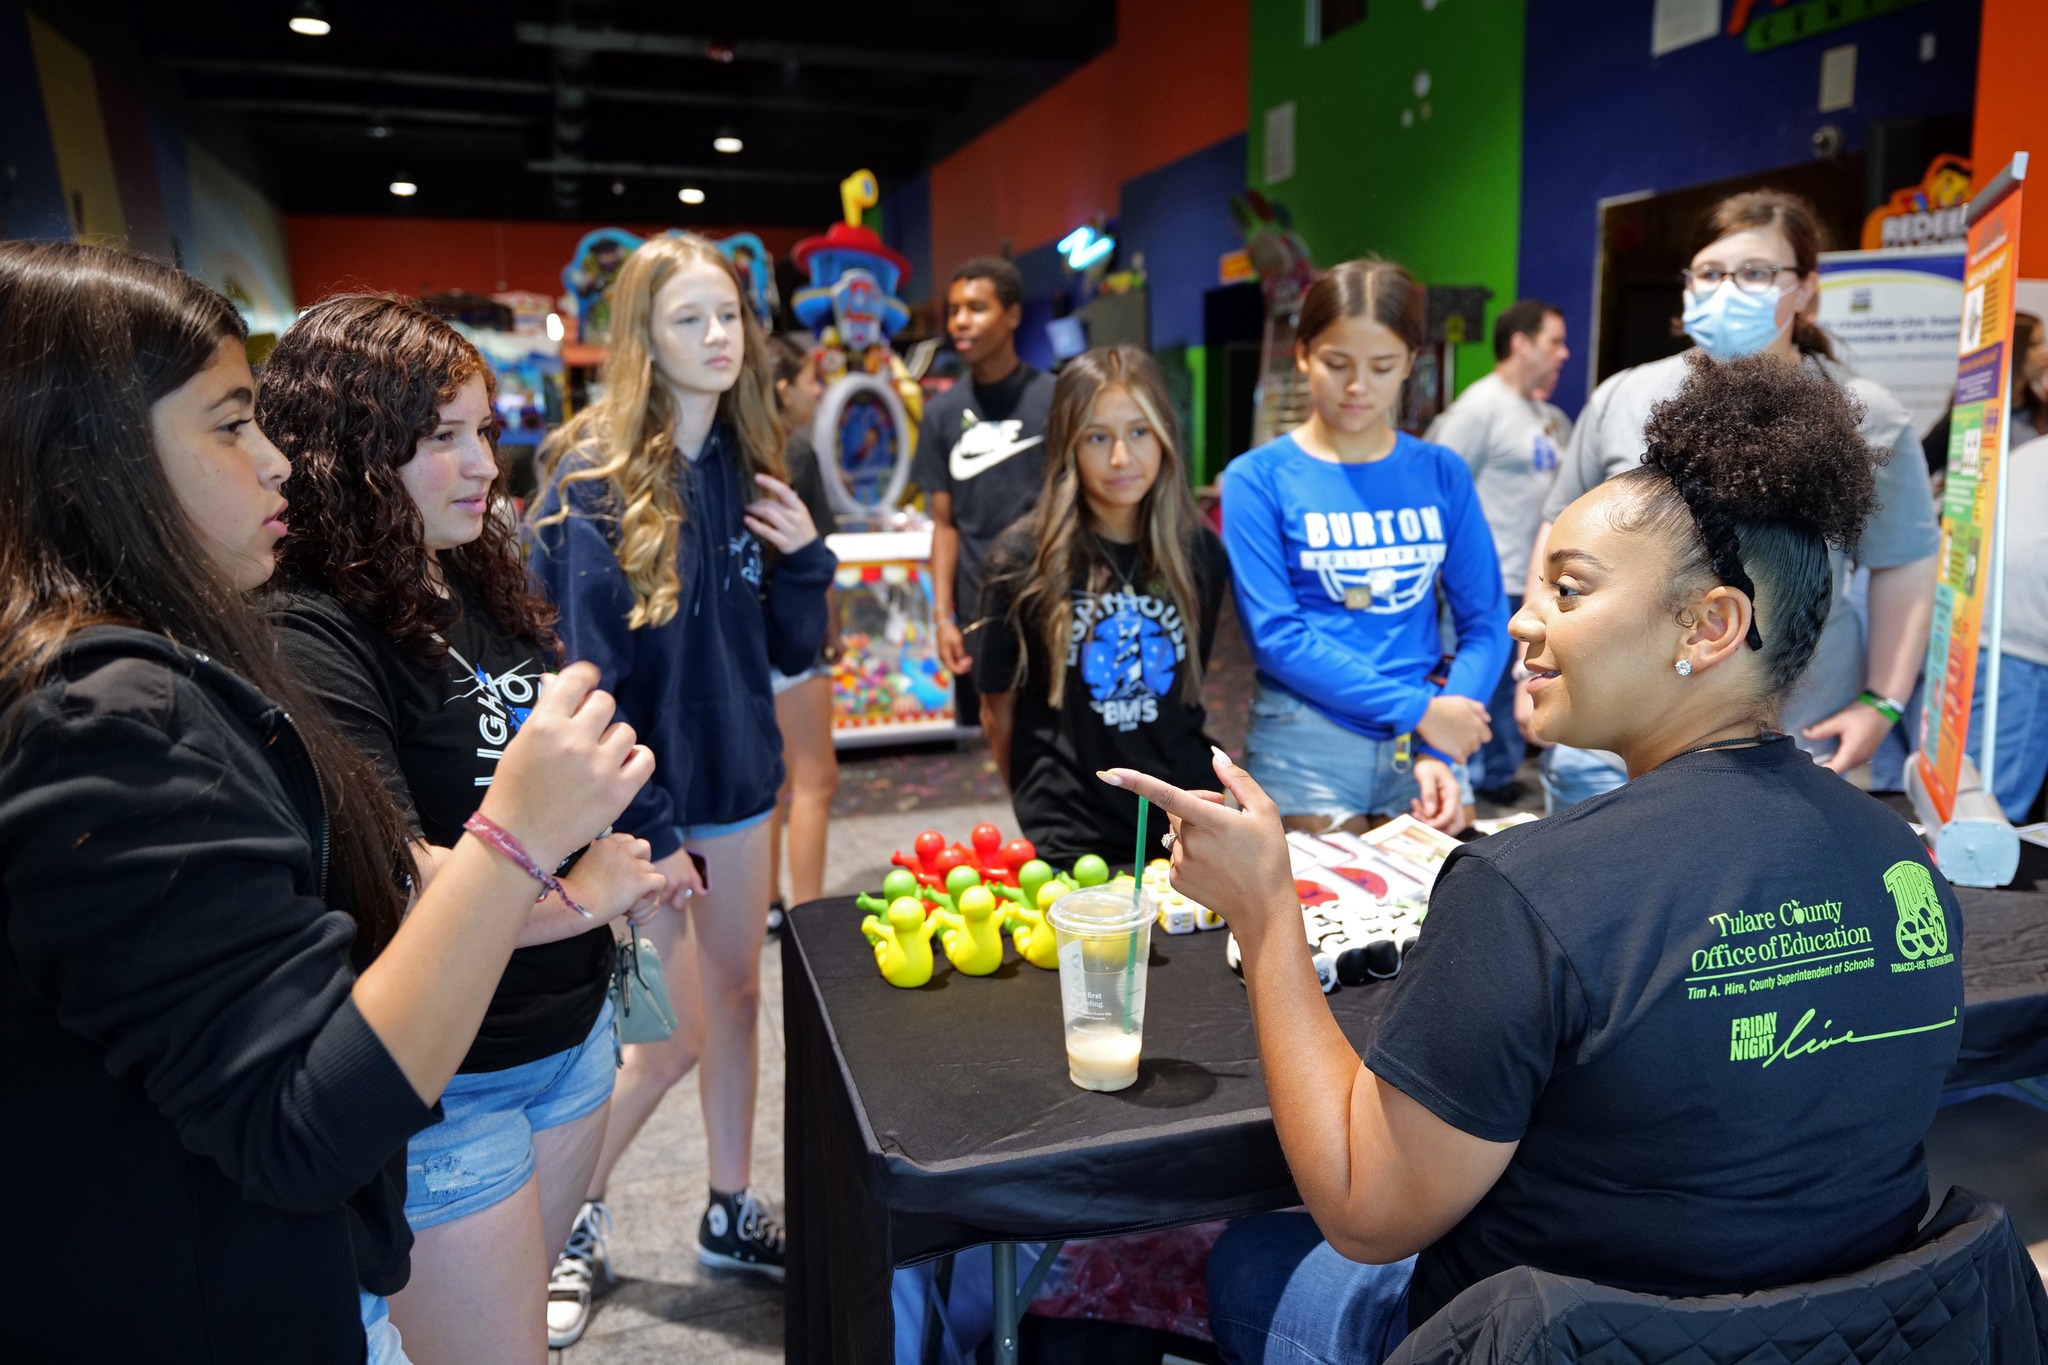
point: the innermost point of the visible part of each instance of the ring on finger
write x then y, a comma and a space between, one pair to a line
1168, 839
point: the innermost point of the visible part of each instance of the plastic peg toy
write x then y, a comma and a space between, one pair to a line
1036, 942
1089, 870
972, 935
903, 943
923, 860
899, 883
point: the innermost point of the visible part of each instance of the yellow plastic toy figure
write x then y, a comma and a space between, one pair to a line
903, 945
973, 935
1036, 942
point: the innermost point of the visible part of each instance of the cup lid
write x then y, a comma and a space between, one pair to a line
1101, 910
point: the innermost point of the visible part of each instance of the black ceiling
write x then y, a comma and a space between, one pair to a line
585, 109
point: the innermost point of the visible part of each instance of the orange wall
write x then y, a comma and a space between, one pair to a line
1176, 81
2012, 116
432, 255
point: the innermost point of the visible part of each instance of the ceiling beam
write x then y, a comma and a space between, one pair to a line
435, 80
709, 174
564, 36
471, 118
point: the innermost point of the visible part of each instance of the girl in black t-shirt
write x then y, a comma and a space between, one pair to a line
1626, 1030
1099, 614
408, 611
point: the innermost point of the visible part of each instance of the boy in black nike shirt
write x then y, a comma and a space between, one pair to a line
980, 453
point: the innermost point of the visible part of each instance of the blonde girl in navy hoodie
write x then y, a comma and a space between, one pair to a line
684, 567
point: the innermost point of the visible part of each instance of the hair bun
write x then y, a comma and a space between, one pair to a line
1761, 441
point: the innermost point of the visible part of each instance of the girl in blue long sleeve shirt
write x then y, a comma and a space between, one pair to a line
1342, 535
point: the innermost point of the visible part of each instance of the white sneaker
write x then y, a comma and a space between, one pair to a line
569, 1288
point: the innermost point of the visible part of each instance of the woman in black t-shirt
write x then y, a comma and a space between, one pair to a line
1099, 614
1685, 1038
408, 611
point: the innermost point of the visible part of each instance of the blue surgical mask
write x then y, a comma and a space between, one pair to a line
1729, 323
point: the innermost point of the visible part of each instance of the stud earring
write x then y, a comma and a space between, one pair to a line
1684, 667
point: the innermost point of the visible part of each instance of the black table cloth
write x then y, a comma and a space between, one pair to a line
927, 1121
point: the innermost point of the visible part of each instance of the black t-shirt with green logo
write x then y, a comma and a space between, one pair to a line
1715, 1007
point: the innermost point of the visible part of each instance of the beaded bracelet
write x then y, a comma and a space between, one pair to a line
500, 838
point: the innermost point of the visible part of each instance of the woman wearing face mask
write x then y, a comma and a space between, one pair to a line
411, 617
1099, 614
1751, 289
1341, 534
686, 568
1621, 1048
216, 1034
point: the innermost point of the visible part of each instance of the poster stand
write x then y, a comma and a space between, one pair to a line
1974, 844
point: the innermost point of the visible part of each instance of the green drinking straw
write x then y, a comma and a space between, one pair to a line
1137, 903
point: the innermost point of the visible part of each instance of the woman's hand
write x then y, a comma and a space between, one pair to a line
1456, 725
1233, 861
569, 771
1857, 730
781, 518
1442, 804
683, 878
616, 877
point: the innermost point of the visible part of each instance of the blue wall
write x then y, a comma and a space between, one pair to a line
1602, 117
1179, 217
907, 226
31, 197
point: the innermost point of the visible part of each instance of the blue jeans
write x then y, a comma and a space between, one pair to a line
380, 1338
1574, 775
1500, 758
1311, 765
1279, 1295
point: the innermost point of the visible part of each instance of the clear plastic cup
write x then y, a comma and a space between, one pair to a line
1104, 936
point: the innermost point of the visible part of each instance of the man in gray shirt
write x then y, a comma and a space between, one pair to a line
1510, 439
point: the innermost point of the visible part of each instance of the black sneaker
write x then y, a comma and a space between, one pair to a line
776, 916
738, 1233
569, 1288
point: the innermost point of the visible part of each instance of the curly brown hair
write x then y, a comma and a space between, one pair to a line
348, 394
1755, 468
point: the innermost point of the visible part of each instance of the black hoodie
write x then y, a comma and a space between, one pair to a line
201, 1132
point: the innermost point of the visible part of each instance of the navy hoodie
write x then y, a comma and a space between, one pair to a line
696, 689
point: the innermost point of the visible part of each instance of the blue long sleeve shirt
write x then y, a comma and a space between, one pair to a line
696, 689
1337, 569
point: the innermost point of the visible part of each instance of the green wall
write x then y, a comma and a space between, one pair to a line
1441, 194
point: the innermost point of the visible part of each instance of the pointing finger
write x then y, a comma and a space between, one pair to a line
1180, 804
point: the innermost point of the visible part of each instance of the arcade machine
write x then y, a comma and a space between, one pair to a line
888, 685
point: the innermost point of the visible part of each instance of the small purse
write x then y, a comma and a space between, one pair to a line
641, 1010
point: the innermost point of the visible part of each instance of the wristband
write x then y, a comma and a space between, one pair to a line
1884, 706
500, 838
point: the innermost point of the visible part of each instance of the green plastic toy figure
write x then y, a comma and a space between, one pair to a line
895, 887
903, 944
972, 935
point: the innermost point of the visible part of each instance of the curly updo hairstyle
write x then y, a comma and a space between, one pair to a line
1754, 470
348, 394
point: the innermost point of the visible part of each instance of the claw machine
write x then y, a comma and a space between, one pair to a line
888, 686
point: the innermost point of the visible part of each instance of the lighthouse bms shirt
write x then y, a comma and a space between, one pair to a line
1338, 568
436, 734
1125, 705
1715, 1008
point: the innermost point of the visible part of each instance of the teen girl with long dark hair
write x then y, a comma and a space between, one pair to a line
219, 1021
1342, 534
1099, 613
684, 567
409, 613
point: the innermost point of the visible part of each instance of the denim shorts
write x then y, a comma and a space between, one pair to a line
380, 1338
481, 1151
1310, 765
697, 834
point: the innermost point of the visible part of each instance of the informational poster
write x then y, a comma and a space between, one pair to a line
1976, 458
1895, 317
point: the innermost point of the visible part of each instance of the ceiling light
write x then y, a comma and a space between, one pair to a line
690, 194
555, 329
404, 189
618, 187
380, 131
727, 143
309, 20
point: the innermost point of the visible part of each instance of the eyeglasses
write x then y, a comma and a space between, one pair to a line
1751, 277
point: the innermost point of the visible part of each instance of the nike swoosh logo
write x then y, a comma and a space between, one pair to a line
964, 466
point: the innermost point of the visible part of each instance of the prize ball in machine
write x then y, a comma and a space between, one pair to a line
969, 895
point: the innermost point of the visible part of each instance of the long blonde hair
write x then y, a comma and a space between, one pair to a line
1061, 541
627, 438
